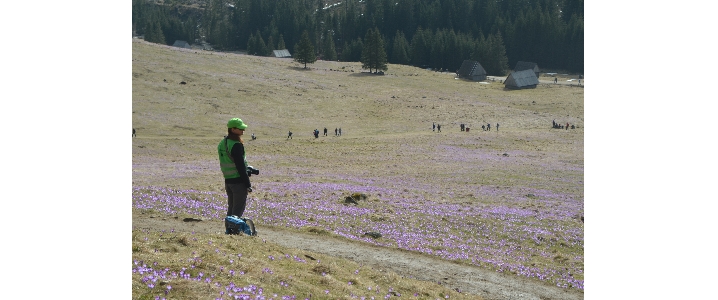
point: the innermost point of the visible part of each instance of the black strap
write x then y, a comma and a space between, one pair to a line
226, 148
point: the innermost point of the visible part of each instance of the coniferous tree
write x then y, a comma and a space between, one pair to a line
548, 32
374, 54
346, 52
155, 34
280, 45
496, 62
400, 50
305, 50
149, 32
330, 52
261, 46
420, 47
270, 45
252, 45
357, 45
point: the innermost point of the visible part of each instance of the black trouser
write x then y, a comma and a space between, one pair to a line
236, 198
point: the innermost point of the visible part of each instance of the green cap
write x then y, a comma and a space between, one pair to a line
236, 123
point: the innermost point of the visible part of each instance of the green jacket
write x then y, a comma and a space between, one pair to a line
233, 168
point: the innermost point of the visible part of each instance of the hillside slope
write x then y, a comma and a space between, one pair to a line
507, 200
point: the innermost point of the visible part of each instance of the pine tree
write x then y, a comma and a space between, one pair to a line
373, 54
261, 46
305, 50
330, 52
270, 45
154, 33
280, 45
346, 52
252, 45
498, 63
400, 50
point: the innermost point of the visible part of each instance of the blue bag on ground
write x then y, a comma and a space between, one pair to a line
234, 225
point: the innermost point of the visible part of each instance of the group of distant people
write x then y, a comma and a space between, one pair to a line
488, 127
560, 126
435, 126
463, 127
337, 132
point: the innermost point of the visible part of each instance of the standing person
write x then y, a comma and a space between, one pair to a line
497, 126
438, 127
433, 126
488, 126
325, 131
233, 163
290, 135
336, 131
340, 131
316, 133
483, 127
134, 133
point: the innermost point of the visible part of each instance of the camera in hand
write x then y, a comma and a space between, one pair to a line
251, 170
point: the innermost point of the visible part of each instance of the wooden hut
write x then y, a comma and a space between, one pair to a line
284, 53
525, 79
181, 44
523, 65
472, 70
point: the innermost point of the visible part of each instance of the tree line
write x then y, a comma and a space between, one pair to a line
438, 34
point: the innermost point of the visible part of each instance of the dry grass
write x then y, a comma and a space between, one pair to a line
189, 265
376, 113
184, 265
387, 144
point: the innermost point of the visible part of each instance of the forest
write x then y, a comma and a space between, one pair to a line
437, 34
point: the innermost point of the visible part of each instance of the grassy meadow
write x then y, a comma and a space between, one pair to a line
509, 200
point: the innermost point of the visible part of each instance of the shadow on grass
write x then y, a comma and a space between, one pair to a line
302, 68
362, 74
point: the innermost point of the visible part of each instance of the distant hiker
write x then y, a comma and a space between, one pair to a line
438, 128
340, 131
433, 126
497, 126
555, 80
134, 133
290, 135
554, 123
462, 127
253, 137
325, 131
316, 133
483, 127
488, 127
336, 132
566, 126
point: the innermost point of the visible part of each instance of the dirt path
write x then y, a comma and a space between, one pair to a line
468, 279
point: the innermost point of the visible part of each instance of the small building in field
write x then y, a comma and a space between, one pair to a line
284, 53
181, 44
524, 65
472, 70
525, 79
